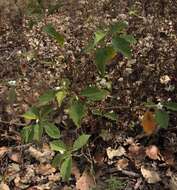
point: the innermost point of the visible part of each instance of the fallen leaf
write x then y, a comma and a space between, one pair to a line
54, 177
148, 123
173, 182
111, 153
45, 169
85, 182
153, 152
3, 150
42, 156
135, 150
169, 158
150, 175
4, 186
15, 156
122, 164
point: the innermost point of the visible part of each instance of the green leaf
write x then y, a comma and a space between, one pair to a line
60, 95
80, 141
122, 45
38, 131
171, 106
103, 56
27, 134
118, 27
58, 145
45, 111
47, 97
99, 35
129, 38
50, 30
58, 159
51, 130
94, 93
32, 113
66, 169
162, 118
111, 115
77, 112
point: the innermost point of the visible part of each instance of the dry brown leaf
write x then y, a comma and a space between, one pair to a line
136, 150
169, 158
15, 156
153, 152
4, 186
45, 169
173, 182
122, 164
150, 175
111, 153
54, 177
43, 156
3, 150
85, 182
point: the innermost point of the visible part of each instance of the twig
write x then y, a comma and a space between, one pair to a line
12, 123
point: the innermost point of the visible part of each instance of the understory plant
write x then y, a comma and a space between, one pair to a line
40, 117
108, 42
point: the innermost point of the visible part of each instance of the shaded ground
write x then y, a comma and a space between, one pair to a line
153, 24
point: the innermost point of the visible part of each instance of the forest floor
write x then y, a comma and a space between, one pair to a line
31, 63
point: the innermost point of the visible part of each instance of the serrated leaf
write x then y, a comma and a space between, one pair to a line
77, 112
60, 95
50, 30
171, 106
111, 115
51, 130
103, 56
122, 45
129, 38
47, 97
118, 27
27, 134
32, 113
58, 145
80, 141
38, 131
94, 93
162, 118
66, 169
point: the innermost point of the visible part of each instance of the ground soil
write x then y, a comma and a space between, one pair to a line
135, 81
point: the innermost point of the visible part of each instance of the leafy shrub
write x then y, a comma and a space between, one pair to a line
40, 116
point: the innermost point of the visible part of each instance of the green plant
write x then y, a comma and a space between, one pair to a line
162, 111
114, 183
109, 42
76, 106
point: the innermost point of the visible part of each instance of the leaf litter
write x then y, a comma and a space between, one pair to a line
146, 78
